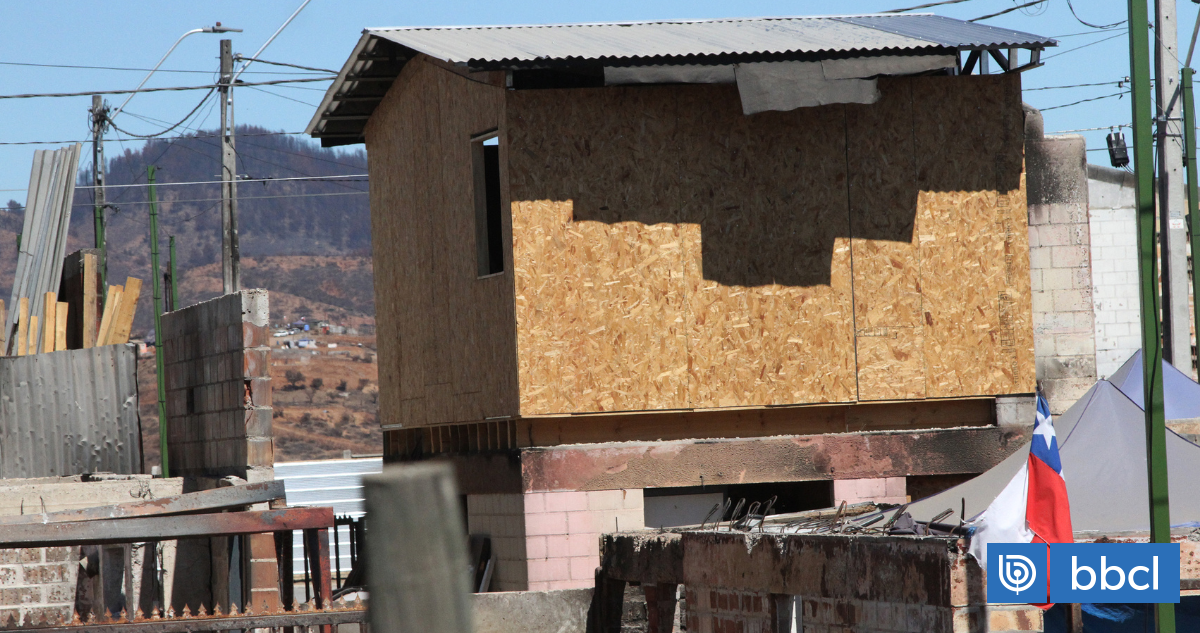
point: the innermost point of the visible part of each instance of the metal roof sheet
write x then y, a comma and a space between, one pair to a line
367, 73
742, 36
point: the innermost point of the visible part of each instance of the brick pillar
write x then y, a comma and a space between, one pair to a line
562, 533
263, 573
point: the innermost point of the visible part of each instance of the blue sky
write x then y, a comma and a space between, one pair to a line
136, 34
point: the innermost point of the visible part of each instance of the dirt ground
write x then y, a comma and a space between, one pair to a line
325, 399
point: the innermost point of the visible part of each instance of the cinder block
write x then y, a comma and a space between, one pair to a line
582, 522
534, 502
535, 547
1039, 257
258, 452
633, 499
1056, 278
604, 499
566, 501
1069, 256
584, 567
546, 523
20, 595
558, 546
549, 569
583, 545
1051, 235
257, 363
258, 422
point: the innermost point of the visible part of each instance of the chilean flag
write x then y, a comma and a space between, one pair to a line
1033, 507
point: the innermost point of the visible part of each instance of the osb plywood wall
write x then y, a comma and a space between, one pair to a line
446, 338
670, 252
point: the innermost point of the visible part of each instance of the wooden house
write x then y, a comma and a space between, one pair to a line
659, 259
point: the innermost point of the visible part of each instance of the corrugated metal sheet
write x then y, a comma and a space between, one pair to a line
381, 52
484, 45
332, 482
69, 413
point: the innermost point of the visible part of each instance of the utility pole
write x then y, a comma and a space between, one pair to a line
1177, 338
229, 237
99, 114
159, 362
1152, 375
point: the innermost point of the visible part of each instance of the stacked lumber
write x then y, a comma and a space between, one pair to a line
43, 244
119, 308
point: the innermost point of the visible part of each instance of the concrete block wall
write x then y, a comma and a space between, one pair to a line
502, 517
562, 533
714, 610
219, 388
1113, 224
38, 582
1060, 258
880, 490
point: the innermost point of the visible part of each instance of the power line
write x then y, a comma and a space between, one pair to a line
355, 177
275, 94
1069, 50
1103, 83
205, 72
1094, 26
1067, 105
292, 195
160, 133
1008, 10
175, 88
322, 70
1093, 129
925, 6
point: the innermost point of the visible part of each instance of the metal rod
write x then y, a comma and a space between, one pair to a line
1143, 151
159, 363
174, 276
1189, 158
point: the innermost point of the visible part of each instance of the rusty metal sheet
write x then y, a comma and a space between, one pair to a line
141, 529
204, 500
69, 413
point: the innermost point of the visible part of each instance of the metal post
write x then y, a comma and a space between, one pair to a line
1177, 338
156, 275
229, 238
171, 271
99, 123
1193, 197
1143, 152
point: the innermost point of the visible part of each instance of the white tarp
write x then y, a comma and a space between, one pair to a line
685, 74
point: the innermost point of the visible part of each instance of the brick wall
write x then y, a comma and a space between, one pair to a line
218, 362
562, 533
36, 583
502, 517
880, 490
1113, 224
1060, 267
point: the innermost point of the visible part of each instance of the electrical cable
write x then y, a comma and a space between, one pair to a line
238, 57
1008, 10
1089, 24
924, 6
240, 198
161, 138
274, 94
1067, 105
1103, 83
170, 89
158, 134
78, 67
350, 177
1121, 34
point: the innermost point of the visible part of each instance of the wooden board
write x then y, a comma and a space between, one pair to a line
113, 300
31, 344
123, 322
446, 337
91, 297
61, 315
22, 326
50, 306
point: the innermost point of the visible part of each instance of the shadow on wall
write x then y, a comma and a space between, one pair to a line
772, 192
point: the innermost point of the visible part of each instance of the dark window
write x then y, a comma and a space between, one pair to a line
489, 228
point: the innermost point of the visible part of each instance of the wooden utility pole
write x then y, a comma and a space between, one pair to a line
229, 236
99, 114
418, 551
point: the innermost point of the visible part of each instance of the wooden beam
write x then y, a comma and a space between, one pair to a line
125, 312
91, 290
60, 325
3, 334
205, 500
50, 318
110, 313
163, 528
22, 325
31, 346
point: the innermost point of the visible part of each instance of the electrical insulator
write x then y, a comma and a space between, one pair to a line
1118, 155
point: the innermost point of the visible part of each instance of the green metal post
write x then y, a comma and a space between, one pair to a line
174, 277
1143, 157
156, 275
1193, 198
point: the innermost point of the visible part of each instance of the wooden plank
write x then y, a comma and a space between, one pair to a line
31, 346
204, 500
3, 334
22, 325
50, 319
124, 320
141, 529
91, 291
110, 310
60, 325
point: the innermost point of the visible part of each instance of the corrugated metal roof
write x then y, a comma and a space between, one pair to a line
382, 52
331, 482
486, 45
69, 413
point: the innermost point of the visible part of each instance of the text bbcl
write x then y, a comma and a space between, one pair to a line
1114, 572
